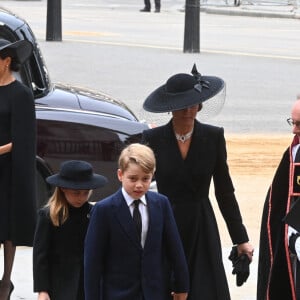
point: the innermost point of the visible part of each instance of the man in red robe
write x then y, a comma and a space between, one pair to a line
276, 273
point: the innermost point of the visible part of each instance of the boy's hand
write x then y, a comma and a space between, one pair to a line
179, 296
43, 296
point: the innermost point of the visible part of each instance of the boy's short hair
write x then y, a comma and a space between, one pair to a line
139, 154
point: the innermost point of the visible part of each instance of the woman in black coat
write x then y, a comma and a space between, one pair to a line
17, 158
189, 155
60, 233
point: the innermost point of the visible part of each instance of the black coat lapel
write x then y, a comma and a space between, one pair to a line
155, 223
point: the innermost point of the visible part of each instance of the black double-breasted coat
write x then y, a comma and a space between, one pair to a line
58, 254
187, 183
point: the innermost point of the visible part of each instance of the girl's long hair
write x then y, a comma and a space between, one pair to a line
58, 207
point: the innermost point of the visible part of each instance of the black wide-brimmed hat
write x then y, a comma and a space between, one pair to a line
77, 175
20, 50
182, 91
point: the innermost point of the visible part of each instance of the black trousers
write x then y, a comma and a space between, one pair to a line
148, 4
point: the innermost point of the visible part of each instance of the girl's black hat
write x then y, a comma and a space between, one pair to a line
77, 175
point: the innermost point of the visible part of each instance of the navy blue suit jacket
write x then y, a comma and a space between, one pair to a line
116, 265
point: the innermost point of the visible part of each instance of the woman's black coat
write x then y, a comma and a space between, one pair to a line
187, 183
58, 254
17, 168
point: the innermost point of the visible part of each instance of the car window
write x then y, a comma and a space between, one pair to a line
59, 141
43, 189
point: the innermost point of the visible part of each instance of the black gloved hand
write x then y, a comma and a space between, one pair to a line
240, 266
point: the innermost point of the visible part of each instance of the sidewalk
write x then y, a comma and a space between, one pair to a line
22, 277
265, 11
255, 8
251, 8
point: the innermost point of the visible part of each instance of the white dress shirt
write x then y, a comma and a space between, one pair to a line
143, 210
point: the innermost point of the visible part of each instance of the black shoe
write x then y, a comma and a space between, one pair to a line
145, 9
157, 10
11, 290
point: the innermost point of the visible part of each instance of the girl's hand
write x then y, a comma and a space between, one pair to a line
179, 296
43, 296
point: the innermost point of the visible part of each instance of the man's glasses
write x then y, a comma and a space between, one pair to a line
291, 122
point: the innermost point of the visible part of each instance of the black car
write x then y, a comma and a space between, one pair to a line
72, 123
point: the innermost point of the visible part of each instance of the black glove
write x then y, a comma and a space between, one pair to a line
240, 266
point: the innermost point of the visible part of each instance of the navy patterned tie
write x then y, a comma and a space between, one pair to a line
137, 218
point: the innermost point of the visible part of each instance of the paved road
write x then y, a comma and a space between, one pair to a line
109, 45
128, 54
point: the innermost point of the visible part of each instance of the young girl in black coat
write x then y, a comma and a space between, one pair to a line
60, 232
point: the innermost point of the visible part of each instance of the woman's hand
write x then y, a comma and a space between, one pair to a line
5, 148
179, 296
246, 248
43, 296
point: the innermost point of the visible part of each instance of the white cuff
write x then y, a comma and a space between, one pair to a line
291, 230
297, 248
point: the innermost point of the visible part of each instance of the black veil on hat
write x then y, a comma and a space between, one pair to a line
20, 50
184, 90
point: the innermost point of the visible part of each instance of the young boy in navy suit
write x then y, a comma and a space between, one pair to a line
131, 238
